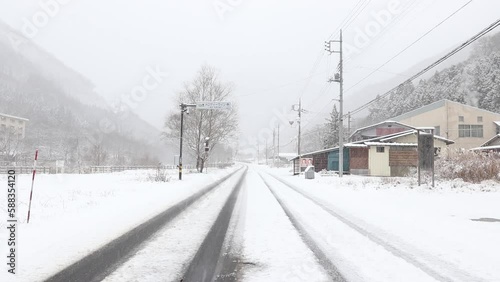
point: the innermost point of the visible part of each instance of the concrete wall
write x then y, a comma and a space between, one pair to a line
447, 118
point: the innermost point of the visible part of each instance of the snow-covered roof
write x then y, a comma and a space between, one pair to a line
409, 132
288, 156
486, 148
491, 140
380, 137
433, 106
9, 116
381, 123
355, 145
391, 144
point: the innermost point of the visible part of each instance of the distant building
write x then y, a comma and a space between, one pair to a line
379, 129
469, 127
13, 125
386, 154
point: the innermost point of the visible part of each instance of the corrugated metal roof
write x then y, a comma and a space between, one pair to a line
391, 144
409, 132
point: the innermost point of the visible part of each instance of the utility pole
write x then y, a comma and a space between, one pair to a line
258, 152
339, 77
184, 109
279, 160
299, 110
300, 119
349, 124
274, 147
266, 151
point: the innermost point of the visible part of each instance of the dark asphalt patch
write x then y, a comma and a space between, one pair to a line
203, 267
100, 263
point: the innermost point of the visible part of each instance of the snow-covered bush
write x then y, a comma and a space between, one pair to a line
470, 166
160, 175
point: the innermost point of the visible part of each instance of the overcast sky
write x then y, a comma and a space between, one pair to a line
271, 50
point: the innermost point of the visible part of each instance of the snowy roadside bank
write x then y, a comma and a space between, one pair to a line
72, 215
439, 225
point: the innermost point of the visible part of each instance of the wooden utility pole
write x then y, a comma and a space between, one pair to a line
339, 77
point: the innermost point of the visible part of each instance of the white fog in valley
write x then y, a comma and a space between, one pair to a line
238, 140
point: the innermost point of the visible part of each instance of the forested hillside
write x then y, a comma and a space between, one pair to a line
68, 120
476, 82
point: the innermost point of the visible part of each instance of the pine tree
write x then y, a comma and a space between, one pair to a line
331, 138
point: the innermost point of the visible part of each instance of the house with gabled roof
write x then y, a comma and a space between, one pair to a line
467, 126
385, 155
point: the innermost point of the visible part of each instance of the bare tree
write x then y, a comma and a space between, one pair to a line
97, 151
218, 125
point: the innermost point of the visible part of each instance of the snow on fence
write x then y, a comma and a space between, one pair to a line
24, 169
100, 169
108, 169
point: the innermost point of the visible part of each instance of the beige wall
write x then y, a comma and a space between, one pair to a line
413, 139
378, 163
447, 118
18, 125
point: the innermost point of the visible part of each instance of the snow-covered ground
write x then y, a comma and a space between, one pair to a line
165, 257
372, 229
434, 226
271, 248
73, 215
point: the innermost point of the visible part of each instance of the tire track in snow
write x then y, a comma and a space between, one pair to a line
323, 259
452, 271
203, 267
101, 262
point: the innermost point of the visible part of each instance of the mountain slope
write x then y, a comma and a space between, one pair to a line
474, 81
68, 119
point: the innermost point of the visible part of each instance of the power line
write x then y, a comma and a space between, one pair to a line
350, 17
347, 18
406, 9
407, 47
442, 59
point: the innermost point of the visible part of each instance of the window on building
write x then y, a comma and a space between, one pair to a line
479, 119
468, 130
437, 130
380, 149
461, 118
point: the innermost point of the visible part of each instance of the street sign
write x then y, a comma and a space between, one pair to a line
213, 105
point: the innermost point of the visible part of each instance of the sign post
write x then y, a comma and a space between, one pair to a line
213, 105
425, 148
207, 105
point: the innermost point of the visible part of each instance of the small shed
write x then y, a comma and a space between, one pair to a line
333, 159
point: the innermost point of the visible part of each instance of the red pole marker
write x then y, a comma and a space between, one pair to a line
32, 183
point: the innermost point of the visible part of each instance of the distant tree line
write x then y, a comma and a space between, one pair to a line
475, 81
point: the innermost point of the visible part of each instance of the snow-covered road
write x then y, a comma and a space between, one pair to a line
266, 225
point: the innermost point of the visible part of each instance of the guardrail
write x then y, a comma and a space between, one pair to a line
100, 169
24, 169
